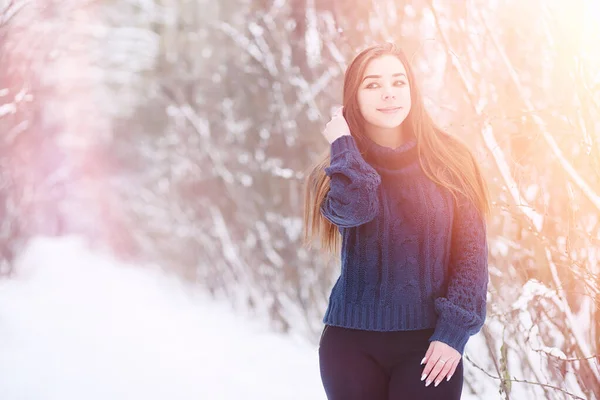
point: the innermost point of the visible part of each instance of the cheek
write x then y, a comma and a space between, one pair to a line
407, 102
366, 101
363, 102
404, 94
404, 99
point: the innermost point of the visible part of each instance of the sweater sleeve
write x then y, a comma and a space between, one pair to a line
462, 312
352, 198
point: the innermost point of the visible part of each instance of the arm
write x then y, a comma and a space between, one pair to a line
352, 199
462, 312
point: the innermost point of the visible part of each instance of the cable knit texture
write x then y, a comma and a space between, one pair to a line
412, 257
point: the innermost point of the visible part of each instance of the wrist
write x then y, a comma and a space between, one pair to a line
343, 143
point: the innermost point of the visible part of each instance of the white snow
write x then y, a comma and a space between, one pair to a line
78, 325
9, 108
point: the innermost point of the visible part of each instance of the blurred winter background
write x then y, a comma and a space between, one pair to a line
152, 163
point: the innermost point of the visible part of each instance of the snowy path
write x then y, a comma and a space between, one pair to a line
78, 326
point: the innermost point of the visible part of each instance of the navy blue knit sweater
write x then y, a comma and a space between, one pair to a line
412, 257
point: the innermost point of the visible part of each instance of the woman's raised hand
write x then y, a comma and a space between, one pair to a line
336, 127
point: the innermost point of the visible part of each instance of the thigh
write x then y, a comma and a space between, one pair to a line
348, 372
405, 383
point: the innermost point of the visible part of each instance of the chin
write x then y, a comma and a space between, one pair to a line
388, 124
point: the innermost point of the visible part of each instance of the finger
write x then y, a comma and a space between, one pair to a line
444, 372
430, 362
435, 371
428, 353
454, 366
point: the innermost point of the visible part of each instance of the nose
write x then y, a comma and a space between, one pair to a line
388, 96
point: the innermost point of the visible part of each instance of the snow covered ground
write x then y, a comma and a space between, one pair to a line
77, 325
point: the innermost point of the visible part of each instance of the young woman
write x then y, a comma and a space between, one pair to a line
406, 205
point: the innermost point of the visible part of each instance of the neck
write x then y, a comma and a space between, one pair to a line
386, 154
386, 137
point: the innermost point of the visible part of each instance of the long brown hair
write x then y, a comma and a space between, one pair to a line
445, 159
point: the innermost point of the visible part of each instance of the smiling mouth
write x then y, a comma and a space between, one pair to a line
389, 109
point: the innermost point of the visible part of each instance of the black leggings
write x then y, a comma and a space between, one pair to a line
369, 365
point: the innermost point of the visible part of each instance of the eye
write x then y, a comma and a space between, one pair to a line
400, 83
371, 85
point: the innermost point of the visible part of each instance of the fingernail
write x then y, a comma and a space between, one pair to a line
423, 361
428, 383
436, 383
423, 376
447, 379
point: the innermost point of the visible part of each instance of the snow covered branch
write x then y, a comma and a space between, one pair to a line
593, 197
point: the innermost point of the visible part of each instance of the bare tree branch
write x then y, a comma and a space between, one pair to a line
577, 179
545, 385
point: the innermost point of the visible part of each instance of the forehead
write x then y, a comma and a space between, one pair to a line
385, 65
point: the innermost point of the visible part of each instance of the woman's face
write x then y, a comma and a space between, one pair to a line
384, 93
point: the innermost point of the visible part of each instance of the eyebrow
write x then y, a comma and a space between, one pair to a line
379, 76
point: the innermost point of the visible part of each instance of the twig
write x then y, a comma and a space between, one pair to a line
565, 359
545, 385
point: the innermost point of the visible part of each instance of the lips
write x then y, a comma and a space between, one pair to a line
389, 110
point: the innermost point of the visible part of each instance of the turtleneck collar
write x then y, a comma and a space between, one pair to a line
382, 157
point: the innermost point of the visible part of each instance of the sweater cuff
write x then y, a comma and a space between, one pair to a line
453, 335
345, 142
